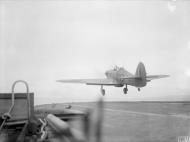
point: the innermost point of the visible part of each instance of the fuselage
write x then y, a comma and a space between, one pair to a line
118, 74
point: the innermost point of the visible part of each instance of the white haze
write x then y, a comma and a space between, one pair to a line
43, 41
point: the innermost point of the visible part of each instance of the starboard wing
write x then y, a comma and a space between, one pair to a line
131, 77
148, 77
151, 77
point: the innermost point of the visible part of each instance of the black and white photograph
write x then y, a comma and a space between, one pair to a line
94, 71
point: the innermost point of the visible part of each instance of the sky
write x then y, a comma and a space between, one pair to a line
43, 41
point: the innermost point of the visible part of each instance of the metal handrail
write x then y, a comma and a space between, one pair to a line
27, 93
7, 115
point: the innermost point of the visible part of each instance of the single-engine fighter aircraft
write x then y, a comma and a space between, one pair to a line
120, 77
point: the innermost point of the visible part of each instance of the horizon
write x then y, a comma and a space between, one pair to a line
44, 41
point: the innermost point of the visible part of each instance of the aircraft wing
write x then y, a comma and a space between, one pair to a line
91, 81
151, 77
148, 77
131, 77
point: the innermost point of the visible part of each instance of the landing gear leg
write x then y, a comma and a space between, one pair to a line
103, 92
125, 90
139, 89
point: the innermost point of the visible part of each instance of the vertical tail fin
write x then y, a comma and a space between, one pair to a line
141, 71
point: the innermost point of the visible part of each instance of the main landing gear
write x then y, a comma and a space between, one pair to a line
103, 92
139, 89
125, 90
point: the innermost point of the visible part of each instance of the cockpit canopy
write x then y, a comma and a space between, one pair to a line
116, 68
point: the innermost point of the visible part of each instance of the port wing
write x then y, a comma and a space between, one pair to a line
91, 81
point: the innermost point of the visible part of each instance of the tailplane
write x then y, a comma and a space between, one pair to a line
141, 74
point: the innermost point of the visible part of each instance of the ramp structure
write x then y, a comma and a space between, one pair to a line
16, 113
20, 109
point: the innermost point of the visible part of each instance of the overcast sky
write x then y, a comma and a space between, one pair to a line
43, 41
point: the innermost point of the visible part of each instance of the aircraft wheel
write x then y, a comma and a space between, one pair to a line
139, 89
125, 90
103, 92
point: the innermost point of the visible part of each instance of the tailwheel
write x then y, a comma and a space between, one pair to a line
125, 90
103, 92
139, 89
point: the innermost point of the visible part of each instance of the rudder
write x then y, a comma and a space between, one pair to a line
141, 71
